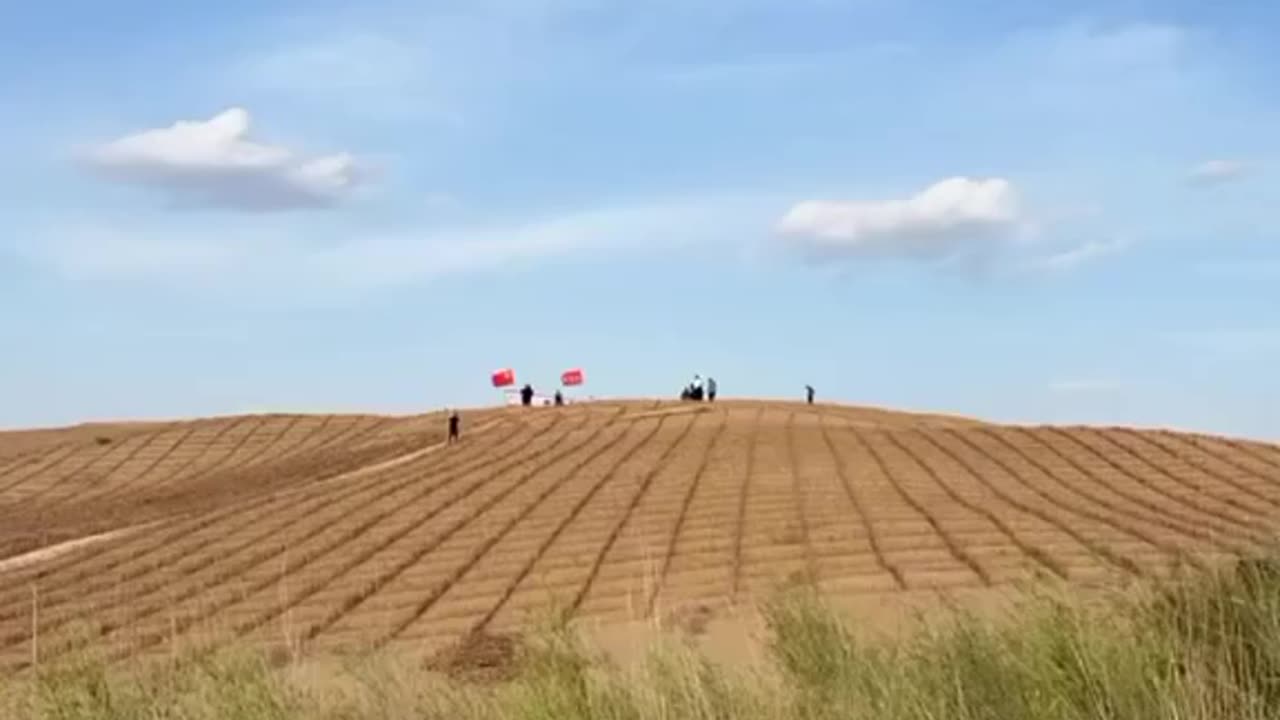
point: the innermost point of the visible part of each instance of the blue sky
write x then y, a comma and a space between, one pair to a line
1027, 212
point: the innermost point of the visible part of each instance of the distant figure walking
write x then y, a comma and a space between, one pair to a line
526, 395
711, 389
454, 421
559, 398
696, 389
808, 391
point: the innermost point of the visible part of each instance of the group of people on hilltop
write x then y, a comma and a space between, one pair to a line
696, 392
526, 396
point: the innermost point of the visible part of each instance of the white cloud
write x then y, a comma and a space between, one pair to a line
949, 218
1216, 172
292, 263
91, 250
1085, 253
214, 163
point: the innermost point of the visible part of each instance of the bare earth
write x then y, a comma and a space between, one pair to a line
335, 533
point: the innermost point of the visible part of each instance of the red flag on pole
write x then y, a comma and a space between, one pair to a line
504, 377
571, 377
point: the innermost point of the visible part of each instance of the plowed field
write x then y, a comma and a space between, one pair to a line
338, 532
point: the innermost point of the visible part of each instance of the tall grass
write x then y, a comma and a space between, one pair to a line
1206, 647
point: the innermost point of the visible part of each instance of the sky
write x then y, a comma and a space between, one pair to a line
1025, 212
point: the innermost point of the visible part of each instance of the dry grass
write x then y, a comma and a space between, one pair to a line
1201, 647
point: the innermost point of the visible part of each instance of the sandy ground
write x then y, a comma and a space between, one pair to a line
342, 532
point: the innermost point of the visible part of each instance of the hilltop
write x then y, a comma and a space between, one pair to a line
343, 531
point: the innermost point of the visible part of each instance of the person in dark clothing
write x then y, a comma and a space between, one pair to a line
454, 421
711, 389
559, 399
808, 391
526, 395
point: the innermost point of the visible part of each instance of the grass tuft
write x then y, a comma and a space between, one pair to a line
1203, 647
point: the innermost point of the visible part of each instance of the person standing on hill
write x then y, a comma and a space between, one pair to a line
559, 398
526, 395
711, 389
808, 391
454, 422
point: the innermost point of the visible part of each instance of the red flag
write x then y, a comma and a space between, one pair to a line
571, 377
504, 377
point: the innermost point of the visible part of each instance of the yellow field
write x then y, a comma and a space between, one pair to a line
340, 532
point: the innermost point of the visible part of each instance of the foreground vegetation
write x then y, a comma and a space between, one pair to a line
1205, 647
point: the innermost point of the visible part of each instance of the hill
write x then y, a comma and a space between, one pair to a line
339, 532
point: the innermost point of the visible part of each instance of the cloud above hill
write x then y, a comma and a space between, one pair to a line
214, 163
1217, 172
1075, 257
951, 217
305, 260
